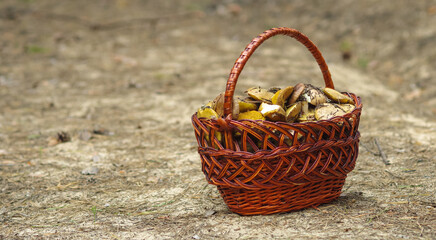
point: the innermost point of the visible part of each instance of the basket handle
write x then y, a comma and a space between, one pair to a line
251, 47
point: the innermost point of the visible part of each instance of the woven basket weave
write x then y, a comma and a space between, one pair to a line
263, 167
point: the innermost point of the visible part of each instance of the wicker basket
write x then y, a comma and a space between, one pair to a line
263, 167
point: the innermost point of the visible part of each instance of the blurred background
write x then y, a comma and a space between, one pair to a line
391, 41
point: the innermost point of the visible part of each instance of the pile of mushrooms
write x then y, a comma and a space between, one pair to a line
299, 103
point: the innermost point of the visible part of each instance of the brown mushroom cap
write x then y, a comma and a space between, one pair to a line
298, 90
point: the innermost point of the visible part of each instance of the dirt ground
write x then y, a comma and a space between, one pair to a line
122, 79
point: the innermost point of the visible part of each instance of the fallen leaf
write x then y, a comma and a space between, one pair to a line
431, 10
52, 141
413, 94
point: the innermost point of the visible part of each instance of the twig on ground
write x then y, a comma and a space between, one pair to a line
346, 189
421, 228
369, 150
382, 154
393, 175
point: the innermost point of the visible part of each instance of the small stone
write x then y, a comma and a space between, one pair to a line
3, 210
38, 174
96, 158
90, 171
85, 135
86, 111
209, 213
196, 236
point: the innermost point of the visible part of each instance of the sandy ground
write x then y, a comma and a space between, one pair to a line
122, 79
